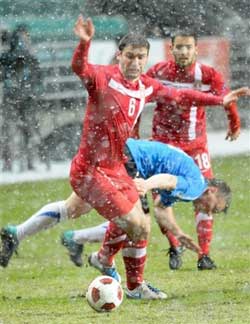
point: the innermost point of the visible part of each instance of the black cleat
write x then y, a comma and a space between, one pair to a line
205, 263
9, 244
175, 261
75, 250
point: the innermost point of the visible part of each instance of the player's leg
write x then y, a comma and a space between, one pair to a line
75, 208
113, 194
118, 230
74, 240
48, 216
135, 253
134, 257
103, 260
12, 235
204, 228
204, 222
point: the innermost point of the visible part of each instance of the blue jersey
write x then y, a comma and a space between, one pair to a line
153, 158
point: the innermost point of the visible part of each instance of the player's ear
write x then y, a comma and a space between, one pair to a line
171, 47
196, 50
212, 189
118, 55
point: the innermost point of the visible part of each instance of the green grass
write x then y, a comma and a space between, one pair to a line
42, 286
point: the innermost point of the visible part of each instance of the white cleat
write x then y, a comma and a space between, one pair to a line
145, 291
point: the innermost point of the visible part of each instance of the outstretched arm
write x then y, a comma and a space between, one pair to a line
166, 220
184, 97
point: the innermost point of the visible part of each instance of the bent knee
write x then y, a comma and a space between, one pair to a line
136, 229
76, 206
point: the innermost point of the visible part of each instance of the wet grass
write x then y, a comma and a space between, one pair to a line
42, 286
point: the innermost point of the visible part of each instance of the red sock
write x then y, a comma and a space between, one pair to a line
204, 230
134, 257
171, 238
112, 243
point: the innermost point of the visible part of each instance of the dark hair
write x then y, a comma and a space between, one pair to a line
184, 33
223, 190
5, 36
135, 40
16, 38
21, 28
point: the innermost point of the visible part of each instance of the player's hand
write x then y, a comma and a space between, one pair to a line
188, 242
232, 136
84, 29
235, 94
141, 186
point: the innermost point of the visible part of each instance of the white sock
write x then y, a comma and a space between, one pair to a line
92, 234
48, 216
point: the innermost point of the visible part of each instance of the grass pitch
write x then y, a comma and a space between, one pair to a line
41, 285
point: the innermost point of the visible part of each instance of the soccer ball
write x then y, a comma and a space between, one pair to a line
104, 294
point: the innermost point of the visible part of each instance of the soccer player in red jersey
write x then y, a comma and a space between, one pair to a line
184, 126
117, 94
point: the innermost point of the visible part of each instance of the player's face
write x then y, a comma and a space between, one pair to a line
132, 61
184, 50
210, 202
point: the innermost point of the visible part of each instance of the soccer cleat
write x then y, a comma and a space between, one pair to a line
75, 250
145, 291
9, 244
205, 263
175, 261
108, 271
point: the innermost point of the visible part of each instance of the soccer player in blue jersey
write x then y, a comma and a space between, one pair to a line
156, 166
176, 178
167, 167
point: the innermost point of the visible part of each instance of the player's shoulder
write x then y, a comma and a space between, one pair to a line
208, 70
107, 72
110, 68
161, 67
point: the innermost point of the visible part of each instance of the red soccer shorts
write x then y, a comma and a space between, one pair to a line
110, 191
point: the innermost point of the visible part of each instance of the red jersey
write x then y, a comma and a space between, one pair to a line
114, 105
185, 126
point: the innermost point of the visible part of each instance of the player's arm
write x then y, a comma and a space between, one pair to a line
152, 72
163, 181
233, 117
85, 30
218, 87
166, 219
184, 97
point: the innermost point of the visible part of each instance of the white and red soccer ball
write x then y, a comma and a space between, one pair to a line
104, 294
